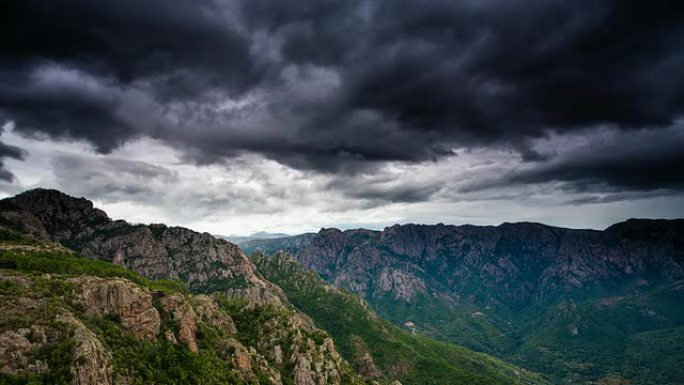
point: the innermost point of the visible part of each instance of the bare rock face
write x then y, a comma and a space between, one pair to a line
92, 363
23, 223
325, 253
303, 372
282, 348
277, 355
185, 316
241, 359
267, 370
404, 285
261, 295
120, 297
50, 212
316, 365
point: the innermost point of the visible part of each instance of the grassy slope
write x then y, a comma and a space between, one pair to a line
397, 354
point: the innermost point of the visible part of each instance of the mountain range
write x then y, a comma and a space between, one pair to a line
578, 305
238, 239
90, 300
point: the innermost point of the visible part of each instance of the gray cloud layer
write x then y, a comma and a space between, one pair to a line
342, 86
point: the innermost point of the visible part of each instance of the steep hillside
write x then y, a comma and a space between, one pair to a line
70, 320
530, 293
375, 347
203, 262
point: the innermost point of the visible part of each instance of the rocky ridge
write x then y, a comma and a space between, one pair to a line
512, 265
155, 251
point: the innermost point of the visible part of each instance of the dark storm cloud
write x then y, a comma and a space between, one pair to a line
182, 44
7, 151
379, 190
340, 86
643, 161
505, 71
49, 104
637, 163
111, 179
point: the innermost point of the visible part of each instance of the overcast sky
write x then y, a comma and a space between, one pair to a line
234, 116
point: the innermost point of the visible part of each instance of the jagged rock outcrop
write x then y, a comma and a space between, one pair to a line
155, 251
184, 315
282, 340
122, 298
303, 372
366, 366
92, 363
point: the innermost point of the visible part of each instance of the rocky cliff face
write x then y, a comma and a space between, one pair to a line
511, 265
155, 251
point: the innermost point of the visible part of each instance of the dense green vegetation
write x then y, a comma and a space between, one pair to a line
630, 335
14, 238
614, 334
58, 358
160, 362
461, 323
396, 353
